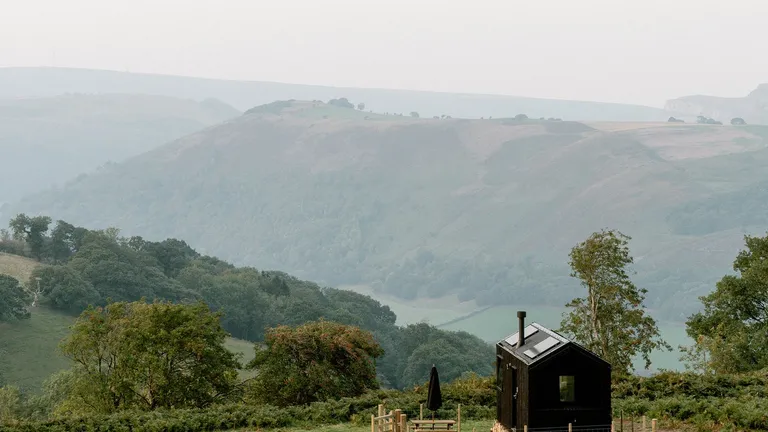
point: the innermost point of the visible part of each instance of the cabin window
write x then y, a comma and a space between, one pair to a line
567, 393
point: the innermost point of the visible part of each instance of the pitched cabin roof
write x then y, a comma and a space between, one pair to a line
540, 343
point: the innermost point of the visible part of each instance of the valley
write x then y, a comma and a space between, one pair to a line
472, 210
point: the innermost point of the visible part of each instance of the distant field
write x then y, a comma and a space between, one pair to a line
496, 323
16, 266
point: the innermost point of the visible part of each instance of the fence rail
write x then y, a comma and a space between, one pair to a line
643, 427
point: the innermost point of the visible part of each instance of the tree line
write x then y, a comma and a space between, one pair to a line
83, 268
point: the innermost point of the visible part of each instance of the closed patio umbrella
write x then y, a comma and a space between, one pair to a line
434, 397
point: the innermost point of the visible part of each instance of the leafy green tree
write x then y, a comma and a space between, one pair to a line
414, 114
313, 362
361, 106
149, 356
32, 230
610, 320
66, 239
731, 332
171, 254
14, 300
455, 353
65, 289
120, 273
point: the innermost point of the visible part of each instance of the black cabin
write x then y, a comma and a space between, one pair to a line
546, 381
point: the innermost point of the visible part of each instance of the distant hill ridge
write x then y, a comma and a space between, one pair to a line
753, 108
420, 207
52, 140
27, 82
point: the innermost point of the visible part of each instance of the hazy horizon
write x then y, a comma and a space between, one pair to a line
593, 50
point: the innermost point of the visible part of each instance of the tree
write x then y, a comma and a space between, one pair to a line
521, 117
316, 361
738, 121
731, 332
610, 320
149, 356
65, 289
341, 102
675, 120
361, 106
66, 239
32, 230
414, 114
14, 300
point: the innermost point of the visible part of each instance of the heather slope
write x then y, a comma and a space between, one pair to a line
54, 139
483, 209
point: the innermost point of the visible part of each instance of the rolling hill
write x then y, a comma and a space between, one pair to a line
44, 82
481, 210
53, 139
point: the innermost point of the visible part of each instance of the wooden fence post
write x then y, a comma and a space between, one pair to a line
525, 428
653, 425
644, 425
396, 421
613, 426
403, 423
421, 411
381, 410
373, 423
621, 420
458, 418
570, 427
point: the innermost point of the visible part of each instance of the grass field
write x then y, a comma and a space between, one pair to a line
30, 348
16, 266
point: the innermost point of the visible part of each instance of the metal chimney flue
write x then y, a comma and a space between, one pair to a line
521, 324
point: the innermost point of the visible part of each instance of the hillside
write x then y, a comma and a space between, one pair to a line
43, 82
485, 210
16, 266
54, 139
753, 107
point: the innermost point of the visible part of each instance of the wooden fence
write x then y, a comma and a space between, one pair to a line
617, 425
394, 421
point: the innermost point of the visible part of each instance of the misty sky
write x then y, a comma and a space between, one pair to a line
644, 51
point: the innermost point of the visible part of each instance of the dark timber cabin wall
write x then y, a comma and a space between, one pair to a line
592, 390
512, 366
529, 375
